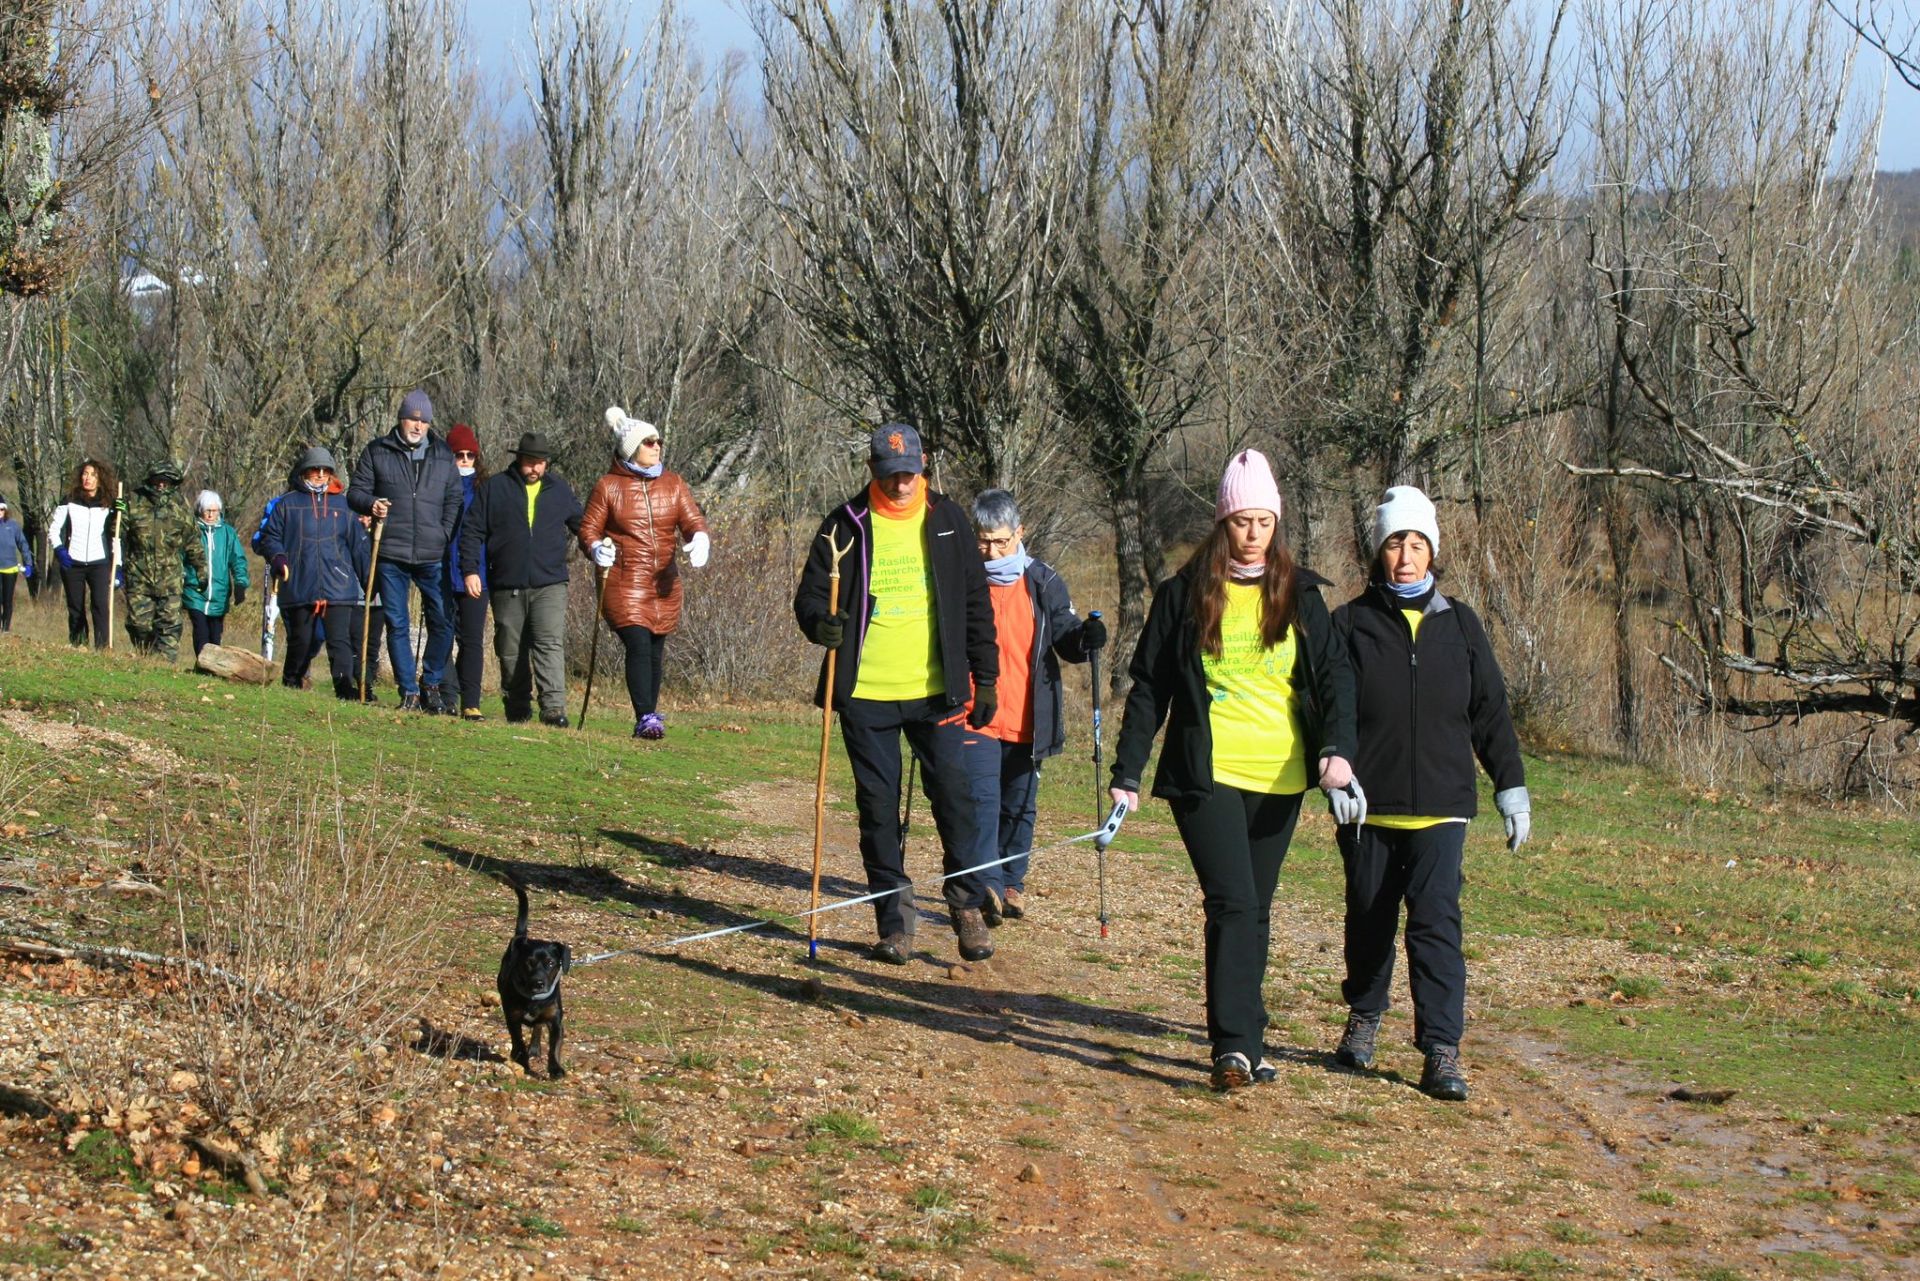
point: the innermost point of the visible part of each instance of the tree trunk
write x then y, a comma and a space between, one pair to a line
1139, 565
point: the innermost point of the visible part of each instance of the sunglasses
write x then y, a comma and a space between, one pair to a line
464, 453
645, 441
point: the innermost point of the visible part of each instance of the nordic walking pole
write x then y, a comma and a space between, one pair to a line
826, 732
593, 651
1099, 794
366, 610
269, 615
119, 518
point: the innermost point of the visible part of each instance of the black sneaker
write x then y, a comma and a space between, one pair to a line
556, 719
894, 949
1231, 1071
1443, 1077
518, 715
970, 928
1357, 1043
432, 702
992, 910
410, 703
1265, 1072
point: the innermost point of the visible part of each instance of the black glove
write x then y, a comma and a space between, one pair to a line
1093, 634
985, 703
239, 593
830, 631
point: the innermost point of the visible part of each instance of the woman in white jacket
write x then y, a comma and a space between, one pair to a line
83, 536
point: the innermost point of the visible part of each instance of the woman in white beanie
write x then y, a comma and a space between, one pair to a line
1430, 701
637, 518
225, 586
1240, 660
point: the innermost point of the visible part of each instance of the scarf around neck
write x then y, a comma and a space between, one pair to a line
1245, 573
915, 503
1410, 591
1008, 568
651, 473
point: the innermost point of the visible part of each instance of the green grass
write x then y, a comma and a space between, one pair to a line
540, 1226
1531, 1264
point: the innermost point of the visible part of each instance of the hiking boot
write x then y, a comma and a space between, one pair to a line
651, 727
894, 949
518, 715
1231, 1072
410, 703
556, 719
432, 702
970, 928
1357, 1043
1013, 904
1443, 1077
1265, 1072
991, 910
472, 714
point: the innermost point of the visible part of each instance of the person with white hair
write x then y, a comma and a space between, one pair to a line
208, 599
1430, 701
638, 518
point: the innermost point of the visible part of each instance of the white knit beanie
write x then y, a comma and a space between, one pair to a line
628, 432
1405, 507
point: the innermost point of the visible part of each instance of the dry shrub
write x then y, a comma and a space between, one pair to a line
737, 637
315, 965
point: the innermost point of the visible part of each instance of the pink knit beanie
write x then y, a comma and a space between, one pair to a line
1247, 484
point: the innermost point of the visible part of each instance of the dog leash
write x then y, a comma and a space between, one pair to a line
1102, 837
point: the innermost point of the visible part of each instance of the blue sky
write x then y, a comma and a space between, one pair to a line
500, 28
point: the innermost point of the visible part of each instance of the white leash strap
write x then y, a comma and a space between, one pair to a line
1101, 836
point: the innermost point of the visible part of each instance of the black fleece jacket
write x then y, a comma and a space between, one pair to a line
1428, 705
964, 609
1170, 684
520, 557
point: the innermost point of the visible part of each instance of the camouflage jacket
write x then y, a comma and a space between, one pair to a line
159, 530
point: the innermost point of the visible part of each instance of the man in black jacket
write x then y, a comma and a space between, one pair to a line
914, 633
526, 517
406, 479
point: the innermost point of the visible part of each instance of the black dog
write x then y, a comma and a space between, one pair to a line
530, 990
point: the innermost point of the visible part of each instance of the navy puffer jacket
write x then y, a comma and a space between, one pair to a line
325, 547
426, 497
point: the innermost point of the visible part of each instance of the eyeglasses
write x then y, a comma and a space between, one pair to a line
465, 453
649, 441
998, 544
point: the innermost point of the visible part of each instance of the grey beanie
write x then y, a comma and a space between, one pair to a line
316, 456
417, 406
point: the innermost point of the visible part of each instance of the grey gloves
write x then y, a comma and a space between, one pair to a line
1517, 809
1349, 803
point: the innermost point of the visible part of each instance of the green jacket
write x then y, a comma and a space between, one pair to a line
159, 532
210, 593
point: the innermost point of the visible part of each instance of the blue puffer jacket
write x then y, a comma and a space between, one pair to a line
325, 547
14, 552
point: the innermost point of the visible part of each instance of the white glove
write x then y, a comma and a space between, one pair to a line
603, 553
699, 547
1349, 803
1517, 809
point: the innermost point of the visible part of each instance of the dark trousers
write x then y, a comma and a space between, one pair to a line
207, 629
646, 659
1422, 869
871, 730
470, 634
1236, 841
341, 641
87, 584
8, 582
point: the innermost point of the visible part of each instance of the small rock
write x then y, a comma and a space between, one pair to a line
1029, 1173
1627, 1020
955, 973
723, 1094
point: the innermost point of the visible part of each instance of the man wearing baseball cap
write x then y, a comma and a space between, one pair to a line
917, 656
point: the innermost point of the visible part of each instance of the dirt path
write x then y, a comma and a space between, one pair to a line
733, 1110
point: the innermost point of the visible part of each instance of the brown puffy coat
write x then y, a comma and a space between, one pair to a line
647, 520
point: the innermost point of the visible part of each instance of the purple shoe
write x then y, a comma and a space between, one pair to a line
651, 726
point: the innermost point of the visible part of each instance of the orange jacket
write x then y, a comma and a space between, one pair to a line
647, 520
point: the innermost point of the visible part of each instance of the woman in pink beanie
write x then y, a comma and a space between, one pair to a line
1239, 659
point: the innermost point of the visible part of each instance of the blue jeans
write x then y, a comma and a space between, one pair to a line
394, 580
1019, 794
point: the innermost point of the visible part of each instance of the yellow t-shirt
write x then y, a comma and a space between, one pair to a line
533, 496
900, 658
1253, 712
1408, 822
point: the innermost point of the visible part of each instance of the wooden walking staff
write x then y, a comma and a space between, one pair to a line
366, 610
593, 652
826, 734
113, 575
